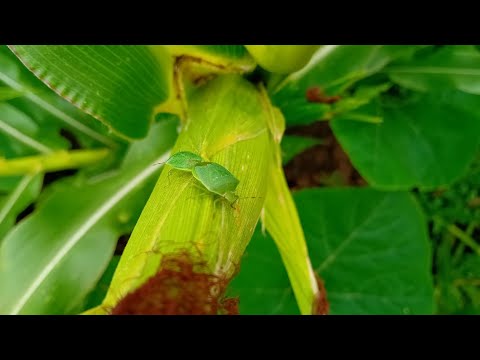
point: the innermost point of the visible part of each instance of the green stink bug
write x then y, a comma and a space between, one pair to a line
217, 180
214, 177
184, 160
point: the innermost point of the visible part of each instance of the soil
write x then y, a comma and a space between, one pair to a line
322, 165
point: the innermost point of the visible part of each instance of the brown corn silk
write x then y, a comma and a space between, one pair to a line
180, 287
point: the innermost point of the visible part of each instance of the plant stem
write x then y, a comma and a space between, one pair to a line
462, 236
471, 227
466, 282
55, 161
282, 222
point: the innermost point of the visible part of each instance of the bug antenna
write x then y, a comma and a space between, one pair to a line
159, 163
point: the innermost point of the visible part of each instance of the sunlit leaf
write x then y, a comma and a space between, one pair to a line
50, 261
117, 84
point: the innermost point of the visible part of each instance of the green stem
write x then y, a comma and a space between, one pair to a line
55, 161
471, 227
462, 236
466, 282
283, 223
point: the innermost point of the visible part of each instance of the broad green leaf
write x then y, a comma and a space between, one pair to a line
263, 286
26, 191
424, 140
371, 249
449, 67
333, 69
117, 84
292, 145
46, 107
71, 242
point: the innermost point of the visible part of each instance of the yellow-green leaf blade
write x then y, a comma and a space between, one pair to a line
227, 125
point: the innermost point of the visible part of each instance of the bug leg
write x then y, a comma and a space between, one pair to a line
168, 176
233, 203
217, 201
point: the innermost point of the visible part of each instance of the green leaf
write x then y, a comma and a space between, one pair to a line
7, 93
46, 107
20, 135
298, 111
293, 145
371, 249
425, 140
333, 69
54, 258
26, 191
117, 84
334, 66
263, 285
449, 67
97, 295
361, 96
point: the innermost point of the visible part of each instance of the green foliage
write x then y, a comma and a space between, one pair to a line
408, 117
424, 140
293, 145
53, 271
445, 67
132, 79
454, 216
371, 249
458, 203
11, 205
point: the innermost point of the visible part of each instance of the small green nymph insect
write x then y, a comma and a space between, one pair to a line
214, 177
217, 180
184, 160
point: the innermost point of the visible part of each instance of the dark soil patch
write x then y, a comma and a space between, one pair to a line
322, 165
